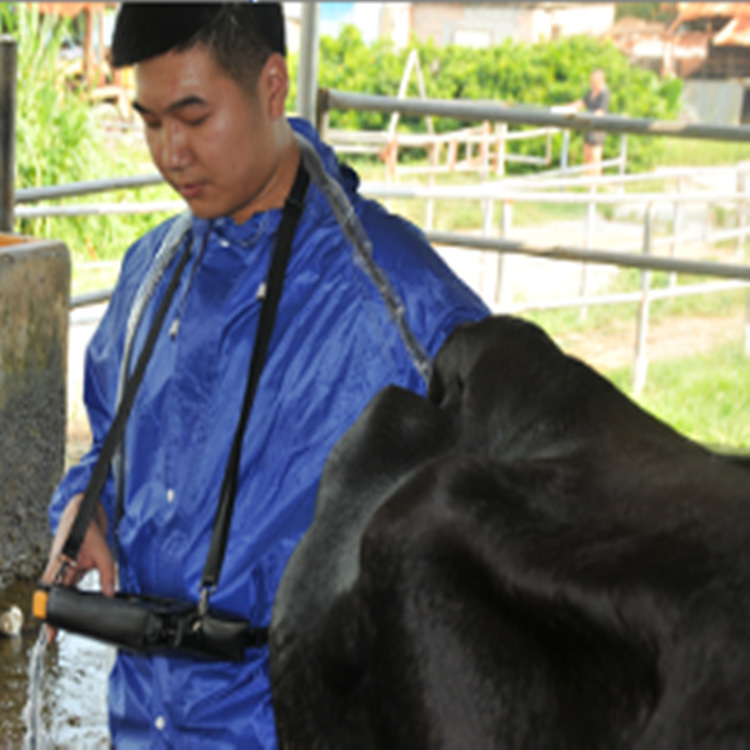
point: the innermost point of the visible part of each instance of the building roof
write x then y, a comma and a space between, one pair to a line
690, 11
735, 33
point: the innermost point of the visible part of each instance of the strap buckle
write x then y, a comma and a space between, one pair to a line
65, 563
206, 592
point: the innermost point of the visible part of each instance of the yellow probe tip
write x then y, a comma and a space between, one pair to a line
39, 604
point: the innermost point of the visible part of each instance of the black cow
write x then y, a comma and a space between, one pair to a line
523, 559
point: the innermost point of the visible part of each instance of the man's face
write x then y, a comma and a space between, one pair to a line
212, 141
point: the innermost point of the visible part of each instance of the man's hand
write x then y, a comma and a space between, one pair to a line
94, 553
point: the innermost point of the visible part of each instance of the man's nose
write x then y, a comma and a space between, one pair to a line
175, 146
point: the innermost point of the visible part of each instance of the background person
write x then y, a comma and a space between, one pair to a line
211, 85
596, 102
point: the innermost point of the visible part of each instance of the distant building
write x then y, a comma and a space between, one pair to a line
708, 45
724, 29
485, 24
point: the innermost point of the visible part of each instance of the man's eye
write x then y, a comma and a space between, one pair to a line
150, 122
195, 121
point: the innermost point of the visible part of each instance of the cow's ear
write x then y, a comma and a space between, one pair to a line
436, 388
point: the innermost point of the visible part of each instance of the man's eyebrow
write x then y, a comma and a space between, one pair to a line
188, 101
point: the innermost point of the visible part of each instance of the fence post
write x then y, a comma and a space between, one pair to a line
548, 149
488, 209
676, 224
742, 223
429, 218
640, 361
484, 151
8, 67
623, 159
741, 209
564, 151
588, 244
505, 229
501, 128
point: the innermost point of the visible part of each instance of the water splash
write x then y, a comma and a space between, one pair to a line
32, 712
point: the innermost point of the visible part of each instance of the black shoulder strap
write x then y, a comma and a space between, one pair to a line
275, 282
101, 467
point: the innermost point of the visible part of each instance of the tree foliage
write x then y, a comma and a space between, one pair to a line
513, 73
58, 140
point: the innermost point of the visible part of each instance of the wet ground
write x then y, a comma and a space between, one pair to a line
72, 693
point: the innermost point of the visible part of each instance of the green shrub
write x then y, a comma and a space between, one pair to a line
514, 73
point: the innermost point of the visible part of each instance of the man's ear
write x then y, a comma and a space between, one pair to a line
275, 78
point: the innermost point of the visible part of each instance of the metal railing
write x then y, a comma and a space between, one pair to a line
478, 111
548, 188
533, 190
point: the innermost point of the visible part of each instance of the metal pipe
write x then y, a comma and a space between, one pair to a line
532, 116
90, 298
8, 74
504, 191
73, 189
307, 79
564, 252
100, 209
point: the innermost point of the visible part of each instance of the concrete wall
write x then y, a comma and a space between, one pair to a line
34, 296
713, 102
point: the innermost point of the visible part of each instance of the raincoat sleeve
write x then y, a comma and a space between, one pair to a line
101, 374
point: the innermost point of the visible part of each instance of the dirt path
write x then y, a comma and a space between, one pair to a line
613, 347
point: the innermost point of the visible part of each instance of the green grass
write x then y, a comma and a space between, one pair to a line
93, 277
702, 153
706, 396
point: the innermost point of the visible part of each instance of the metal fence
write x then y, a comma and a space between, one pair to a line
554, 186
509, 191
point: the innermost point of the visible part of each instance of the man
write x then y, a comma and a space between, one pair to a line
596, 102
365, 302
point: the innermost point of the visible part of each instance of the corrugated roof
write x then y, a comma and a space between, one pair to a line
735, 33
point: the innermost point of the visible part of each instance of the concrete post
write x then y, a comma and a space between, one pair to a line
34, 296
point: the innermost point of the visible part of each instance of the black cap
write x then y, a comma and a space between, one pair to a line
144, 29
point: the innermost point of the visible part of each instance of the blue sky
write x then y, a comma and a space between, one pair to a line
363, 15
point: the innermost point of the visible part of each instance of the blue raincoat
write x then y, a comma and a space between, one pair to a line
334, 347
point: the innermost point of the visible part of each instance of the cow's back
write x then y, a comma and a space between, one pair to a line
524, 559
